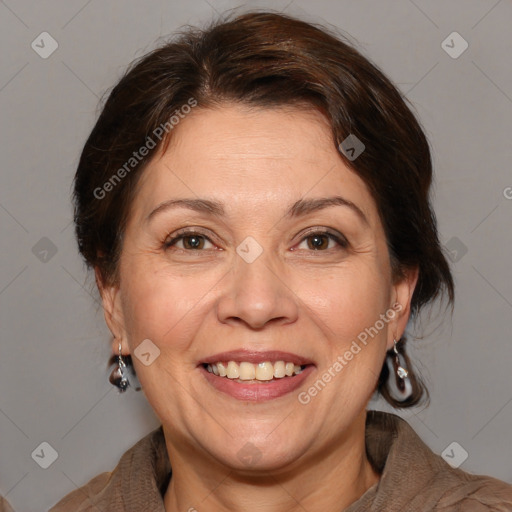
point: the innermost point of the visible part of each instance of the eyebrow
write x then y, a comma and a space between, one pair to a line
305, 206
197, 205
300, 208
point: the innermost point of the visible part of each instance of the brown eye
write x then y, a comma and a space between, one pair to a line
318, 242
322, 241
193, 242
189, 242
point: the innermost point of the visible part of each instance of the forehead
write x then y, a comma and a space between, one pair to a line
251, 158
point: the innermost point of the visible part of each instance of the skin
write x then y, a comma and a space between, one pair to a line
193, 303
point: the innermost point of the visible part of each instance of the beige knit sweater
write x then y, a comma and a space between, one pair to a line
413, 478
4, 506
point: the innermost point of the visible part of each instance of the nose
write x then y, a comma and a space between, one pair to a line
255, 295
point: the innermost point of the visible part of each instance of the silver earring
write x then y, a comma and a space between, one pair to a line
399, 383
118, 376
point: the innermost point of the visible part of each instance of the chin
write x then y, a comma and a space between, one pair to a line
261, 453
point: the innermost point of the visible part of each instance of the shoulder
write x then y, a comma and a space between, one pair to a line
476, 493
132, 479
85, 498
415, 478
4, 506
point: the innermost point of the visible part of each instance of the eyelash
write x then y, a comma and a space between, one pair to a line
168, 243
338, 238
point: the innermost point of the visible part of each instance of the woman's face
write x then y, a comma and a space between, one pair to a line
251, 241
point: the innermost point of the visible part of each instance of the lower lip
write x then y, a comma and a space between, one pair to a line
256, 392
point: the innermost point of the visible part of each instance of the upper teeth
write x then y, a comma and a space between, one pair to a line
249, 371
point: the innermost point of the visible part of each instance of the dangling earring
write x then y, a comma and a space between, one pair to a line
118, 376
399, 383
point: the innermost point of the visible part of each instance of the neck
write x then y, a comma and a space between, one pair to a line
331, 480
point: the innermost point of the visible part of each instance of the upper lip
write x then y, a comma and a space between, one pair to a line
253, 356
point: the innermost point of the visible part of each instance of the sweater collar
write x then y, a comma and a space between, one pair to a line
393, 448
406, 464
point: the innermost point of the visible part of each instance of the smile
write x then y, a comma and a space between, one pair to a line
261, 372
256, 376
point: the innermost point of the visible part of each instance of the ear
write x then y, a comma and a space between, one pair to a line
112, 309
401, 303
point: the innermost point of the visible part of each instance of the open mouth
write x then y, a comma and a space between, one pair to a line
256, 376
251, 373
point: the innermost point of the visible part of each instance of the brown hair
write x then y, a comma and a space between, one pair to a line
266, 59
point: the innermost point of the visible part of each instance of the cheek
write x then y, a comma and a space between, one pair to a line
346, 303
163, 307
167, 310
348, 311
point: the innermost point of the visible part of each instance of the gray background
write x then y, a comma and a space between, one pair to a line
54, 344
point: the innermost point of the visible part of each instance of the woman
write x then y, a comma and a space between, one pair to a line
254, 200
